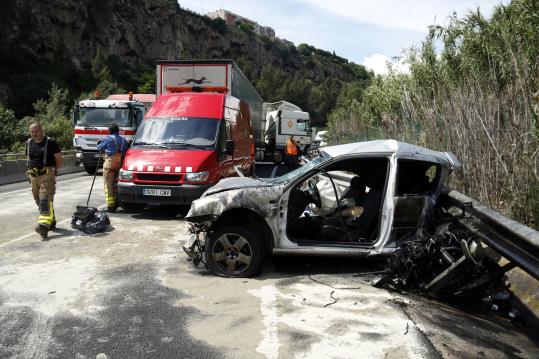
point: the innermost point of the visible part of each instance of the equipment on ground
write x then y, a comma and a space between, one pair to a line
89, 219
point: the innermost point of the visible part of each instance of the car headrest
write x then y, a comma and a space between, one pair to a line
358, 184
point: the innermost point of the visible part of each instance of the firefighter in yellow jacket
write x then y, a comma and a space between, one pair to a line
115, 147
44, 159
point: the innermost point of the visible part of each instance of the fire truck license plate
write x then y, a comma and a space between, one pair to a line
156, 192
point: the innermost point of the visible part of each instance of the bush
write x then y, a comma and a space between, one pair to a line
478, 99
12, 130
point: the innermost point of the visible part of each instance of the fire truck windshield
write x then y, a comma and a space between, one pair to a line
177, 131
103, 117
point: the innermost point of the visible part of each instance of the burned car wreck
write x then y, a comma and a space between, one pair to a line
376, 198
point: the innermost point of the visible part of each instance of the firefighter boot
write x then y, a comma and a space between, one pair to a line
42, 231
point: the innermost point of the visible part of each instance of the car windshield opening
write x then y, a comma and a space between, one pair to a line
178, 132
103, 117
323, 157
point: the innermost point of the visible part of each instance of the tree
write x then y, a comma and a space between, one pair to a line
53, 114
12, 130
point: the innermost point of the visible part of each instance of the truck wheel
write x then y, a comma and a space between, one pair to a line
90, 170
233, 251
277, 157
132, 207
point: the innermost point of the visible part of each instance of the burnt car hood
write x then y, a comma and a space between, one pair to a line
238, 192
227, 184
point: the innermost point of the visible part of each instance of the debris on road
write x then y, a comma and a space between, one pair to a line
90, 220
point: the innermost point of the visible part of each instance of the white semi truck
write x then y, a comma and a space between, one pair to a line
91, 119
280, 120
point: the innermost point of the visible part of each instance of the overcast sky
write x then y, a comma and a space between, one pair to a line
367, 32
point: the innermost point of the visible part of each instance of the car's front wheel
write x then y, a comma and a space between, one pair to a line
233, 251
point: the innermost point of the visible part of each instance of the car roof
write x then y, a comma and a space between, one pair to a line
390, 147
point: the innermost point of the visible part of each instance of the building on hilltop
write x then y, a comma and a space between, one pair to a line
232, 19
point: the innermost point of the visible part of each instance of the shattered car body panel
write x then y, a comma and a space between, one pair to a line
362, 199
255, 198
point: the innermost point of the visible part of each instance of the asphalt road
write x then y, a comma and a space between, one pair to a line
131, 293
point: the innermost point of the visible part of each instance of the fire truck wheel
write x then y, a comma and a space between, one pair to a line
90, 170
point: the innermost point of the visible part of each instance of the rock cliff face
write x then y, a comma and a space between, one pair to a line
55, 41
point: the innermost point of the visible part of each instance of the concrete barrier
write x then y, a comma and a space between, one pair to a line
15, 171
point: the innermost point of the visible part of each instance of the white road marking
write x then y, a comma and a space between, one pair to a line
274, 171
29, 189
269, 346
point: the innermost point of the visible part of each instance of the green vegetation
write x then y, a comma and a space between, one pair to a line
54, 115
477, 97
11, 130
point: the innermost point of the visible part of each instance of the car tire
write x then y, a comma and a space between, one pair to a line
132, 207
234, 251
90, 169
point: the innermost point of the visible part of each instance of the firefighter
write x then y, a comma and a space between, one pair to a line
291, 154
44, 159
114, 147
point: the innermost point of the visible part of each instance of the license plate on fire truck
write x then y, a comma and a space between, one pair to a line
156, 192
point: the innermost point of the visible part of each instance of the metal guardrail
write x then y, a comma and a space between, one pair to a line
513, 240
22, 155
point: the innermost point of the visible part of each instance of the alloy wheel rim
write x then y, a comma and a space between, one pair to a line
232, 253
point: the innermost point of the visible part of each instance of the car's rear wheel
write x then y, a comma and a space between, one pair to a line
233, 251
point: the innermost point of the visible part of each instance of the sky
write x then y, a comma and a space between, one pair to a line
368, 32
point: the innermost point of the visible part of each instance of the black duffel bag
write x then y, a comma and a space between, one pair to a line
90, 220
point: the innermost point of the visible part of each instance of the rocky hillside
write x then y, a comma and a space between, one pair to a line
42, 42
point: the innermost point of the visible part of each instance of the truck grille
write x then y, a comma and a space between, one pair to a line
158, 177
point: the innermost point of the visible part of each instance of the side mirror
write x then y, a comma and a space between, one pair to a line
138, 118
229, 147
75, 115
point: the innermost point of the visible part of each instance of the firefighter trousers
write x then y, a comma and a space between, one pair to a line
43, 190
111, 168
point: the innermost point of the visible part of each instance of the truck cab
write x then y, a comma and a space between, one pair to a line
187, 143
283, 119
91, 119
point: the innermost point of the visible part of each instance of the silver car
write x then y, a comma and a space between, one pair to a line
358, 199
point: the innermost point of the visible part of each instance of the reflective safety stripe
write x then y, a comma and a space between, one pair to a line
110, 198
46, 219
